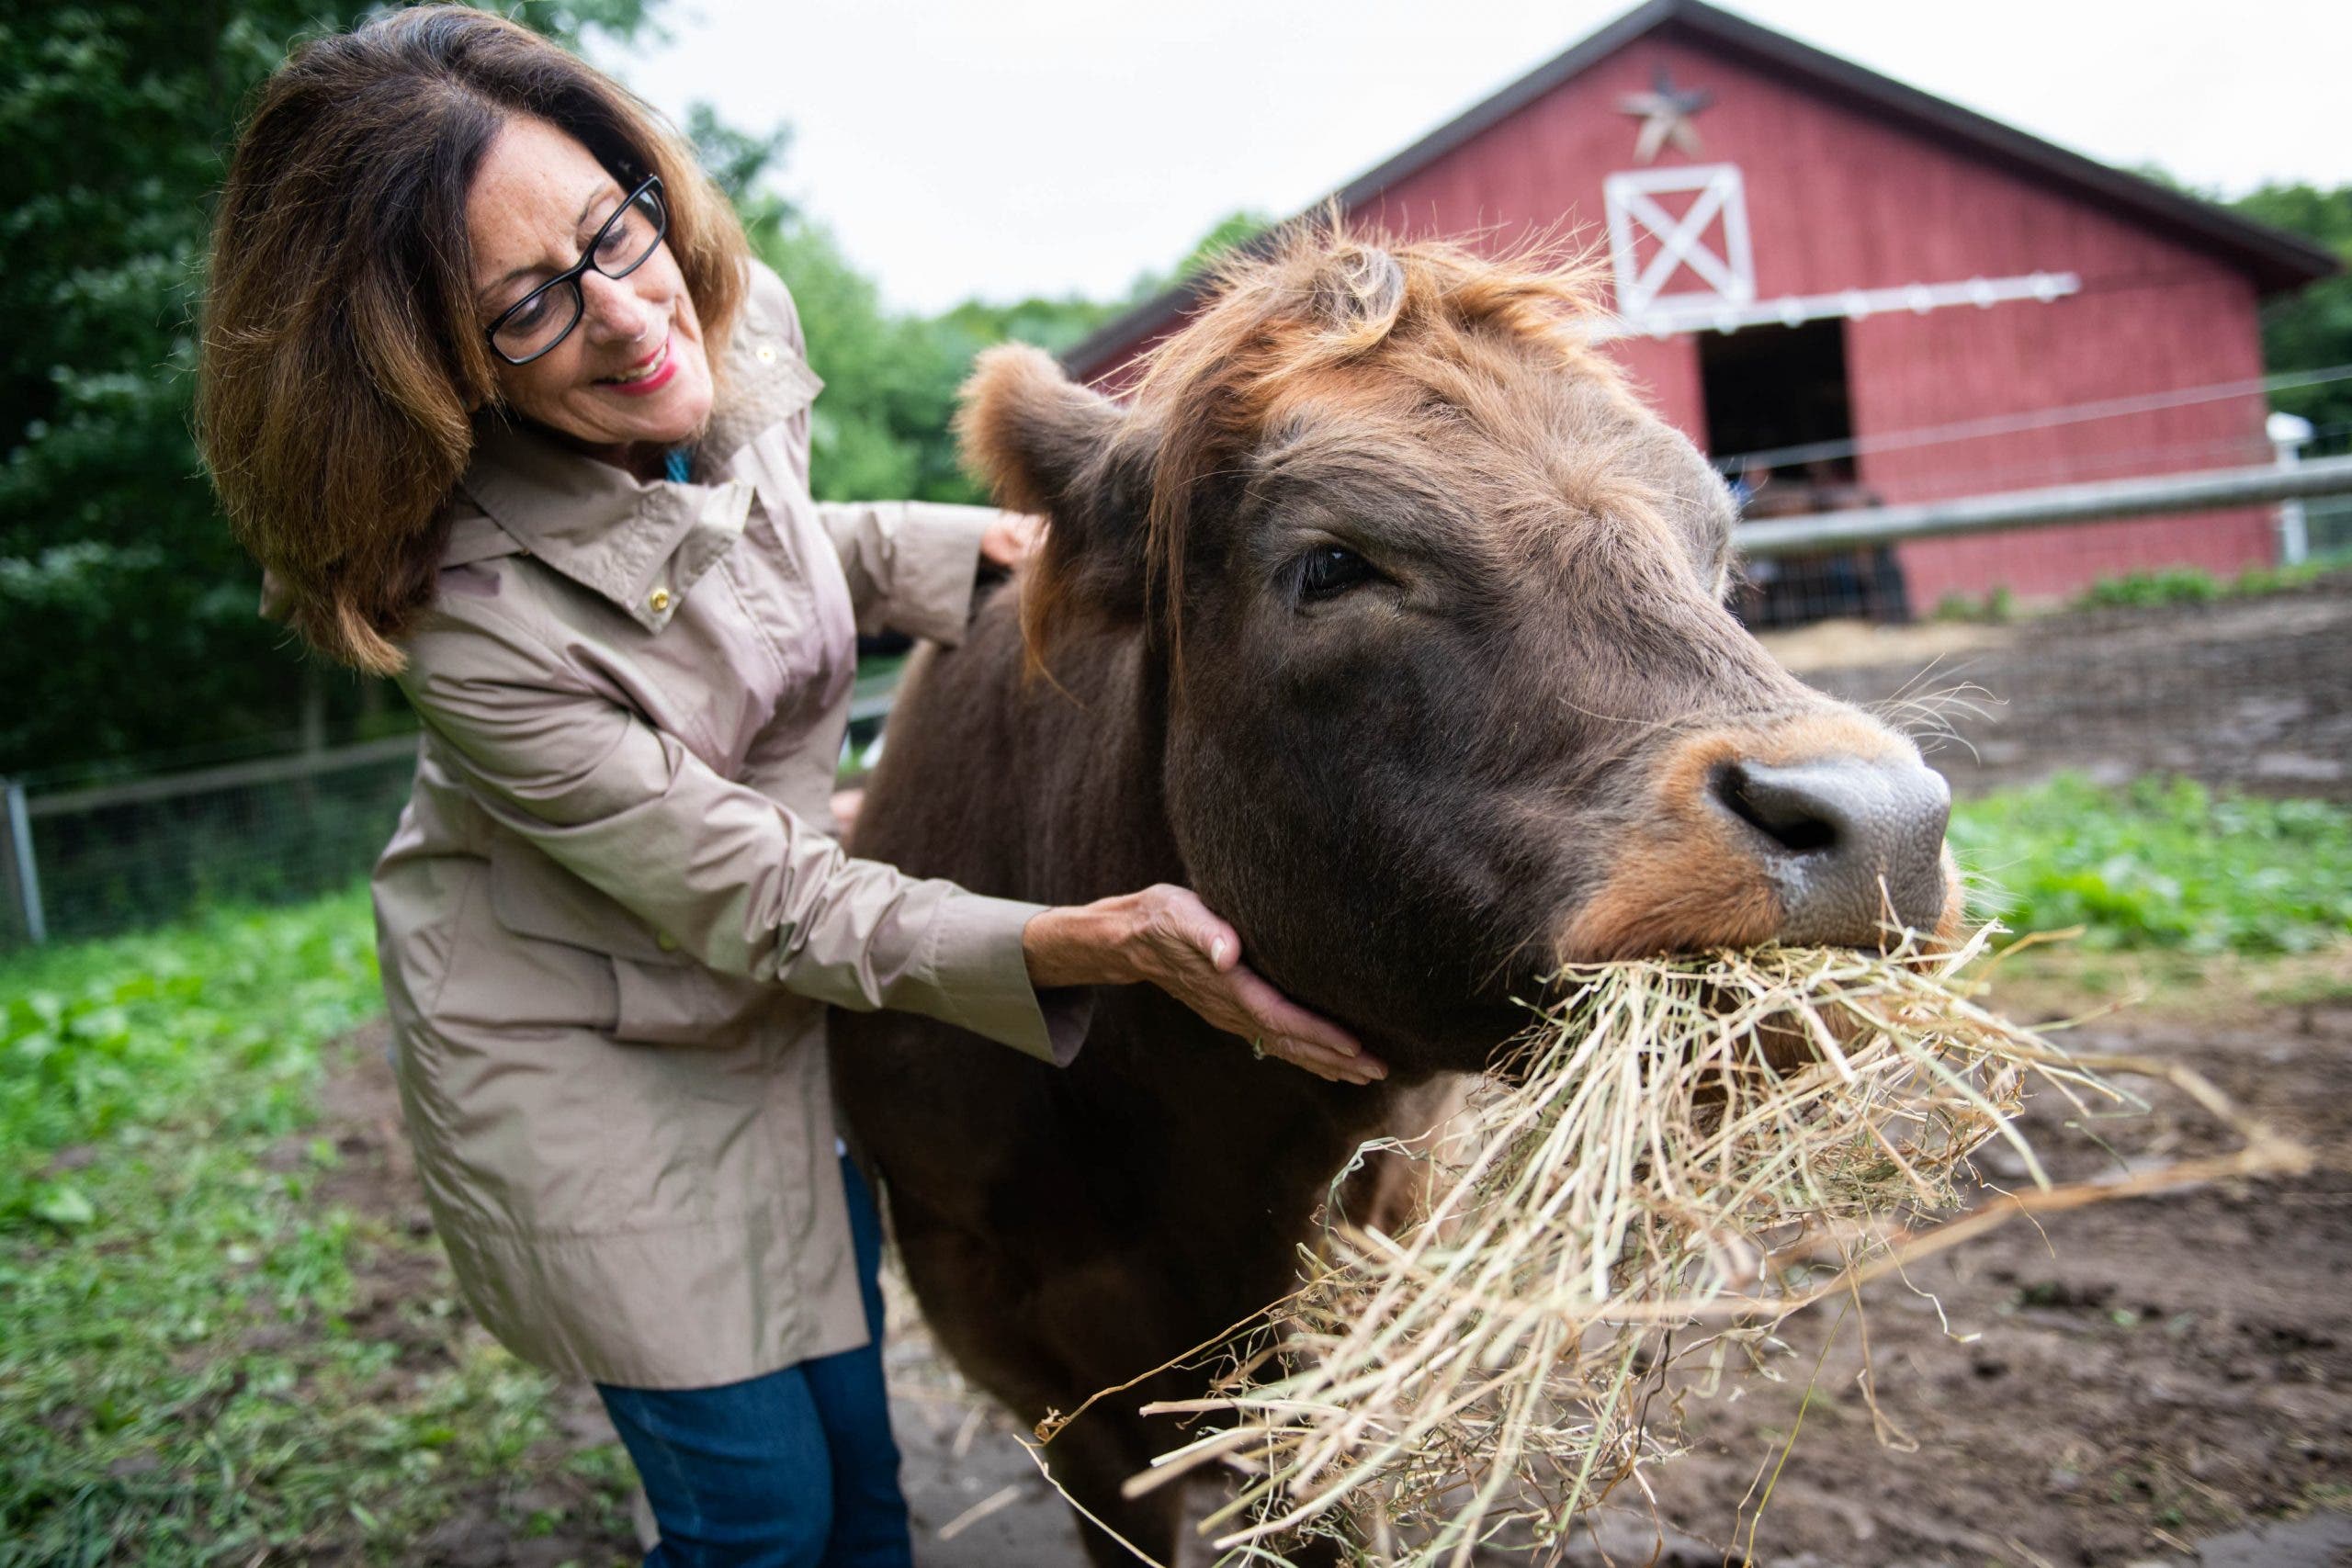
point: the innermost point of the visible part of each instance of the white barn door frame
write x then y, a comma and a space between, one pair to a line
1633, 211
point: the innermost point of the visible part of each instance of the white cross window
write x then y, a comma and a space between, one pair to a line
1637, 221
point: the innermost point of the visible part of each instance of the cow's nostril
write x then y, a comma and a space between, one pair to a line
1852, 845
1800, 820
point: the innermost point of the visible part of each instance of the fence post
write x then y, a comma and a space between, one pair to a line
2288, 433
20, 856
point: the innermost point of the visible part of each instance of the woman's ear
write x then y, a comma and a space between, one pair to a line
1043, 444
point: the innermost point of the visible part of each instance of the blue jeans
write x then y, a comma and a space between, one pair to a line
793, 1470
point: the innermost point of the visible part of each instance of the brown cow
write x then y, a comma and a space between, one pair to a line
1386, 618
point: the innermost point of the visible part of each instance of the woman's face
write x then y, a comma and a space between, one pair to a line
632, 377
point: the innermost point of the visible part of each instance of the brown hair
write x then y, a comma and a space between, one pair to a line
342, 358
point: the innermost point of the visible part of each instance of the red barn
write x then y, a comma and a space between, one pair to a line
1851, 291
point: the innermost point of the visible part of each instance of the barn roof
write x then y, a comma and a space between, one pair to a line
2275, 259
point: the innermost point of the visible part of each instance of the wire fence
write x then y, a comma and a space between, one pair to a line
2216, 644
105, 858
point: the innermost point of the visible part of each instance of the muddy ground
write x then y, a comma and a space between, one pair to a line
2116, 1386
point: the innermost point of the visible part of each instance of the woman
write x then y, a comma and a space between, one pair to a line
493, 389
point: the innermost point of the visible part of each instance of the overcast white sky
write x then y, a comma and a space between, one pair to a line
1001, 148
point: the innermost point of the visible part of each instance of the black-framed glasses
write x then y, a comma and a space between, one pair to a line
534, 324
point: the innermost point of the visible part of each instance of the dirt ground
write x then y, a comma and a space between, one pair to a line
2167, 1380
2254, 692
2138, 1382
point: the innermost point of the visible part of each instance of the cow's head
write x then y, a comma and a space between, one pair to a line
1434, 610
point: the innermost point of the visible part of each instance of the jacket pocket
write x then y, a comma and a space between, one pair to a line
669, 1004
663, 996
534, 896
493, 976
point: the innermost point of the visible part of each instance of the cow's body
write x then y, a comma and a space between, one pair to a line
1390, 622
1066, 1229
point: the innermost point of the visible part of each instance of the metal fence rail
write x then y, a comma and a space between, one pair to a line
2097, 502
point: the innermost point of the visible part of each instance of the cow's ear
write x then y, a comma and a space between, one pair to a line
1043, 443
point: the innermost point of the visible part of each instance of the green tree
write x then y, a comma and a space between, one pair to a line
130, 611
2311, 328
881, 430
1233, 230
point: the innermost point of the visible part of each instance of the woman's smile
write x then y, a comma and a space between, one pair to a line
649, 374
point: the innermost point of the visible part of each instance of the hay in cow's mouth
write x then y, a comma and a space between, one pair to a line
1651, 1184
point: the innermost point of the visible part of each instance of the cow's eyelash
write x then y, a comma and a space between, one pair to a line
1326, 571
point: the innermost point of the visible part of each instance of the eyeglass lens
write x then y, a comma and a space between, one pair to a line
621, 246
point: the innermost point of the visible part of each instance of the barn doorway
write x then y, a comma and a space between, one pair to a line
1768, 389
1774, 386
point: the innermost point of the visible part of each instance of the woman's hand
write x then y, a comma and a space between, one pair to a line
1008, 541
1167, 936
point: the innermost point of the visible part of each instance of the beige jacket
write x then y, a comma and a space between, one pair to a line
612, 917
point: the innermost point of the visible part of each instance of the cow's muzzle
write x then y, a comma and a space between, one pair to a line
1850, 846
1824, 828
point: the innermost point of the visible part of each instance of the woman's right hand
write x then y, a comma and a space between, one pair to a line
1167, 936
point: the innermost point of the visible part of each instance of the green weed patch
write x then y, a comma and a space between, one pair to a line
2189, 585
2163, 864
182, 1380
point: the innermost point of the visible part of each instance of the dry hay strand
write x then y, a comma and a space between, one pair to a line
1677, 1157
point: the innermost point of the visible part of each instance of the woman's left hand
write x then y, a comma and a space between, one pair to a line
1008, 540
1167, 936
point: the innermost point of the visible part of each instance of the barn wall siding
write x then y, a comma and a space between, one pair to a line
1838, 199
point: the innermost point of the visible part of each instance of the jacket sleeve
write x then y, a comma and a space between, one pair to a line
911, 565
734, 878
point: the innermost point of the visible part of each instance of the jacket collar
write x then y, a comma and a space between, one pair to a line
640, 544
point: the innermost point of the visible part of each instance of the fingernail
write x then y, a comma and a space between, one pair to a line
1216, 951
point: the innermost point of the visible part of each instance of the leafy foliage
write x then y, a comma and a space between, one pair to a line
2189, 585
2312, 328
141, 632
132, 609
182, 1378
881, 430
2162, 863
2173, 585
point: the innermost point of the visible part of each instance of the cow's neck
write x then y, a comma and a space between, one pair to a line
1258, 1142
1100, 816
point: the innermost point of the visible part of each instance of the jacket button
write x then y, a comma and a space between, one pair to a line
658, 600
665, 941
765, 354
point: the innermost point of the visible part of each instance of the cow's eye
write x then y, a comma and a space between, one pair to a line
1329, 570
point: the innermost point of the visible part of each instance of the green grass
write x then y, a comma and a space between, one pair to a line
2162, 865
179, 1383
1997, 608
2189, 585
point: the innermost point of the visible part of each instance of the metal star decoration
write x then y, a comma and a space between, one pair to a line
1666, 112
